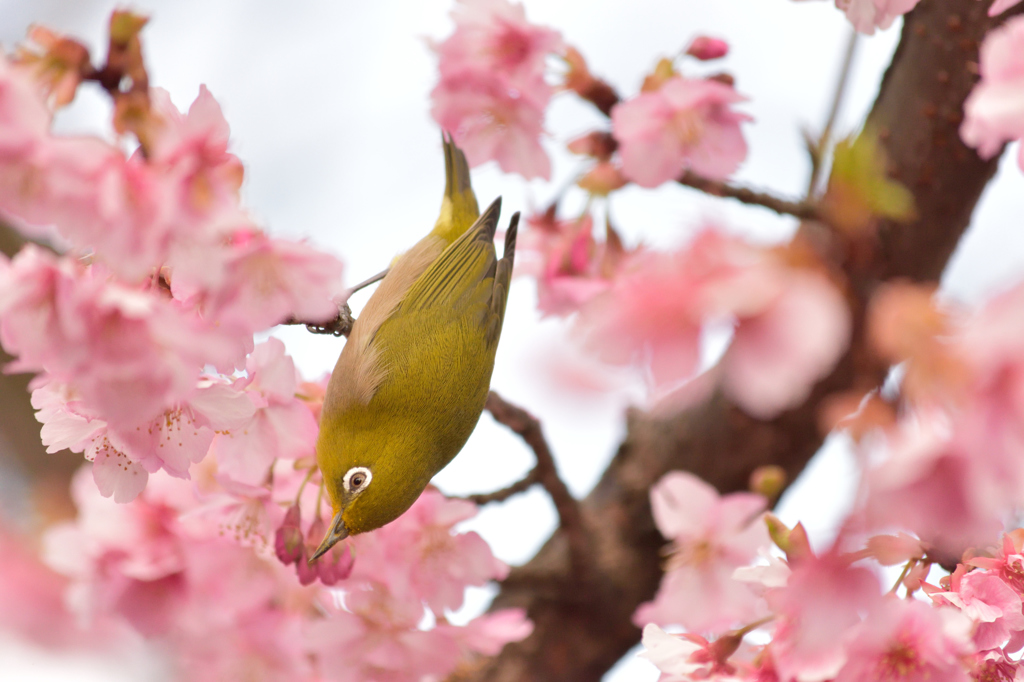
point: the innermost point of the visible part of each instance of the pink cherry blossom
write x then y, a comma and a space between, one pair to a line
490, 121
712, 536
934, 485
492, 93
672, 654
192, 153
571, 267
123, 457
32, 597
376, 638
988, 601
494, 35
1008, 564
281, 425
907, 640
639, 321
684, 124
891, 550
127, 353
867, 15
997, 667
1000, 6
445, 562
251, 282
791, 324
489, 633
125, 559
994, 111
776, 357
822, 601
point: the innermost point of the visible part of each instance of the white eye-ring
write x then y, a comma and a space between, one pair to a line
356, 479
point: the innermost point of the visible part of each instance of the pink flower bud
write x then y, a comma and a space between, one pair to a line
337, 564
288, 538
705, 48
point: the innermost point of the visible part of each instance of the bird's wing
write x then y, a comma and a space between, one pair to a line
458, 208
359, 370
502, 279
460, 269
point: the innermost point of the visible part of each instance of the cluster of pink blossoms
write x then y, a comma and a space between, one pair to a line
945, 465
492, 94
141, 333
190, 565
649, 309
164, 277
825, 614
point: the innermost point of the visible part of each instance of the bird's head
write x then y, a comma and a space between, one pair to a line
367, 494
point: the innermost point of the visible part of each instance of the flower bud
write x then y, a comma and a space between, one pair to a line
705, 48
288, 538
768, 480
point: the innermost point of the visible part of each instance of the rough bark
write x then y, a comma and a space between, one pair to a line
583, 626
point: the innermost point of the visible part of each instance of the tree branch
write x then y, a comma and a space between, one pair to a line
805, 210
520, 486
544, 472
580, 633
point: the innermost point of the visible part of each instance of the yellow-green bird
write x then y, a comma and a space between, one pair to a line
413, 377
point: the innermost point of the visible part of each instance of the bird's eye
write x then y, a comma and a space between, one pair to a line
356, 479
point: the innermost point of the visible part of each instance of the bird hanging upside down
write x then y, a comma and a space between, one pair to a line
412, 379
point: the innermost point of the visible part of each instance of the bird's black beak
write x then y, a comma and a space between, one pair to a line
335, 534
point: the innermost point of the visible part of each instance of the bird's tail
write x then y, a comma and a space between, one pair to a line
459, 209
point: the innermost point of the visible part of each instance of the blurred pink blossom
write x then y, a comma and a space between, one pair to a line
492, 122
791, 324
492, 94
994, 111
910, 641
712, 536
867, 15
495, 36
683, 125
931, 485
489, 633
822, 601
673, 655
571, 267
706, 48
1000, 6
32, 598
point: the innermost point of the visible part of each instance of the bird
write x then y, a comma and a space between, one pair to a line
412, 379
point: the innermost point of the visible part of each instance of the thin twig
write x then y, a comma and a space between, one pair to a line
520, 486
339, 326
819, 148
569, 515
804, 210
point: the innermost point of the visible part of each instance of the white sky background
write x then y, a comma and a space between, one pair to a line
329, 110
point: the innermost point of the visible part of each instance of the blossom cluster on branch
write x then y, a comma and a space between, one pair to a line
202, 503
141, 335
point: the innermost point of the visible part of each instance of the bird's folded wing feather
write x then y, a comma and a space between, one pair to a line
460, 269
